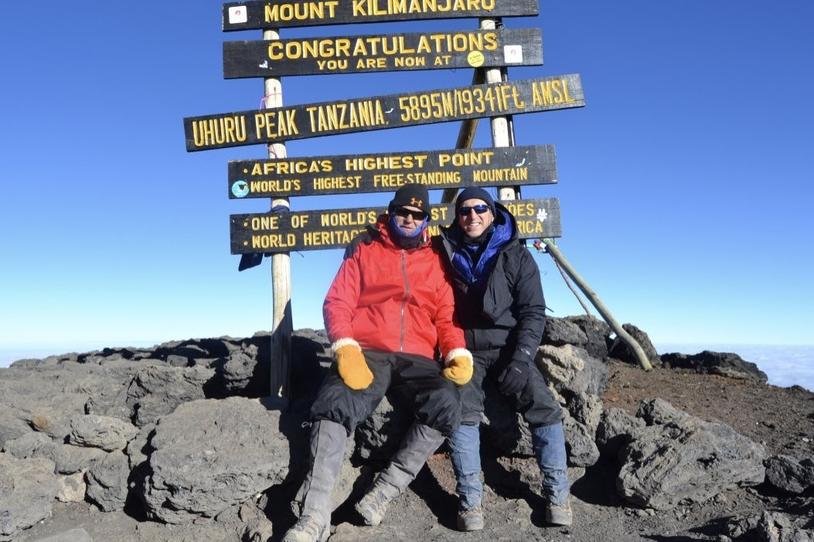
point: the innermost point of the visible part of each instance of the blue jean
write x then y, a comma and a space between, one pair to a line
548, 442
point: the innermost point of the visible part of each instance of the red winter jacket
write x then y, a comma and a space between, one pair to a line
394, 300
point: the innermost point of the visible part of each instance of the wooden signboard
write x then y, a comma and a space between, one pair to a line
289, 13
358, 173
314, 230
380, 112
383, 53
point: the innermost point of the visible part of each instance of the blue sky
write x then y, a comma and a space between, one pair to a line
685, 184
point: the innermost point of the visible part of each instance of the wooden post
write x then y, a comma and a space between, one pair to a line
500, 125
603, 310
280, 351
501, 135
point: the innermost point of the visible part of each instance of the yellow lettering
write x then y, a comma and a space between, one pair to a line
274, 240
219, 131
275, 186
300, 11
541, 95
265, 222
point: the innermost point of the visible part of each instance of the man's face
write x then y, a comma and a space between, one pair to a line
409, 218
471, 222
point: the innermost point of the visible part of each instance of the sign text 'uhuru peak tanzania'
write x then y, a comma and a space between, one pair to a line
381, 112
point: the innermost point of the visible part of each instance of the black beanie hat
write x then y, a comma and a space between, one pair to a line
411, 195
474, 192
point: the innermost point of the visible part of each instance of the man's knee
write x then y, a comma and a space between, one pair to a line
540, 408
338, 403
442, 410
471, 404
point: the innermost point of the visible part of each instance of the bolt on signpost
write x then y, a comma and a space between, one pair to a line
489, 49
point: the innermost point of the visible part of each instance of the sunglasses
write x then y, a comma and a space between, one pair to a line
480, 209
418, 216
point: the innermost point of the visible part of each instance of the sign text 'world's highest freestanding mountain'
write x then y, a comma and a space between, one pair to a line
386, 172
381, 112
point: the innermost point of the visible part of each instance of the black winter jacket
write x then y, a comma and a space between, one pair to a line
509, 314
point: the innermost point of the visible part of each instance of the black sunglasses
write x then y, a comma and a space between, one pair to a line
418, 216
480, 209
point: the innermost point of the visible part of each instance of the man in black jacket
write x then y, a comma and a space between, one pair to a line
499, 303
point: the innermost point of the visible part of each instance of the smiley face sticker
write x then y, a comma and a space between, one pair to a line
475, 59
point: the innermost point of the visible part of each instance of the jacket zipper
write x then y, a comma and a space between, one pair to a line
403, 301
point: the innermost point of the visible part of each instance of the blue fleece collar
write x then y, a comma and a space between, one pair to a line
463, 258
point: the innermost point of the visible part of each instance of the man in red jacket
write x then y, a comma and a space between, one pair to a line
387, 311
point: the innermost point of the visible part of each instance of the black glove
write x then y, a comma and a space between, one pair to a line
514, 377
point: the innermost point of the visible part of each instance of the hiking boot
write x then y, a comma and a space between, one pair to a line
470, 520
308, 529
373, 506
559, 514
327, 442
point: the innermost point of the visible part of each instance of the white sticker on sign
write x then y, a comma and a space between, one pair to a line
513, 54
238, 14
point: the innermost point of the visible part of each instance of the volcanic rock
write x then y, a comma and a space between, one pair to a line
679, 458
103, 432
28, 488
718, 363
107, 481
620, 350
788, 474
597, 333
211, 455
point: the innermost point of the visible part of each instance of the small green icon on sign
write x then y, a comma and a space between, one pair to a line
240, 189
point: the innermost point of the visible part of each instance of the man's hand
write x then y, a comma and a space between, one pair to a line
459, 366
514, 377
351, 364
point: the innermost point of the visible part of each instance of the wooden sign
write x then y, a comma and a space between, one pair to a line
383, 53
314, 230
289, 13
380, 112
358, 173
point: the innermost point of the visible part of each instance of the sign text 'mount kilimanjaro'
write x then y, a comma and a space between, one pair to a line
287, 13
381, 53
380, 112
358, 173
314, 230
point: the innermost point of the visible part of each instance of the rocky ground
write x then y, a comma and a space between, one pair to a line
169, 444
780, 418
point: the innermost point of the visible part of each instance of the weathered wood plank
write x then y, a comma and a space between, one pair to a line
386, 172
383, 53
381, 112
316, 230
290, 13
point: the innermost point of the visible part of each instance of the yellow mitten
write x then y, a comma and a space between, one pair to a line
459, 366
351, 364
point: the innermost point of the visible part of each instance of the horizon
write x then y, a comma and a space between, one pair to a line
685, 192
781, 372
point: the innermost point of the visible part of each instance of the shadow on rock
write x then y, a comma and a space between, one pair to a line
598, 485
659, 538
510, 483
345, 512
440, 503
295, 427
